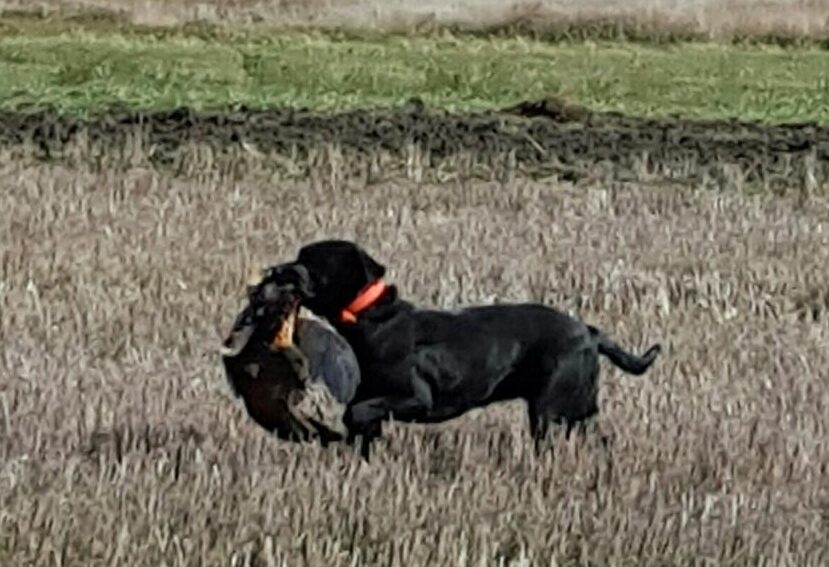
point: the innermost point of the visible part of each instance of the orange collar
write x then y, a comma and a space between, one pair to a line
365, 299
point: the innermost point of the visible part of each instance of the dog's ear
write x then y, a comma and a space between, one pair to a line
374, 270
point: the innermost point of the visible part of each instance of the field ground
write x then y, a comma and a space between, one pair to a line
121, 440
537, 140
126, 237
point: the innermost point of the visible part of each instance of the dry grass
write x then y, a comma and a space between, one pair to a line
715, 18
119, 441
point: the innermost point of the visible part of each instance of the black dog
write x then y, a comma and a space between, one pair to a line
427, 366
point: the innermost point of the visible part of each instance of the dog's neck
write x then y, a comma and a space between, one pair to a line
372, 296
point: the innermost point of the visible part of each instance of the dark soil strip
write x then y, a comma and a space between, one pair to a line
543, 137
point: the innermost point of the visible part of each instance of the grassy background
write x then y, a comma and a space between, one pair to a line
83, 71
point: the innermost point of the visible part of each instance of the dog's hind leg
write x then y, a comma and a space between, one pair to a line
567, 396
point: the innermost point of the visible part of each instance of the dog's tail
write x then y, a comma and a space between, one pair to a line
625, 360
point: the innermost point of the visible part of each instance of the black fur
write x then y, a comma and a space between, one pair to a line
428, 366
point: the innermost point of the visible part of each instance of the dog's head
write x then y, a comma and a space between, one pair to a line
273, 305
340, 272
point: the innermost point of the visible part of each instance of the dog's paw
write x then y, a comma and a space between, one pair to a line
365, 413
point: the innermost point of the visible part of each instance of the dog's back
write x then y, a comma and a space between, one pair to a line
526, 323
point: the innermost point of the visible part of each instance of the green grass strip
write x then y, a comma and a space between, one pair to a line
85, 72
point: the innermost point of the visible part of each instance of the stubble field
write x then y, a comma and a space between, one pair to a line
121, 442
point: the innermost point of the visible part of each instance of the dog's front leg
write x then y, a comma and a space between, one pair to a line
416, 402
367, 411
364, 419
365, 433
396, 407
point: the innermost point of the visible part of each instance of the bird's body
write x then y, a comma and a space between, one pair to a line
294, 373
